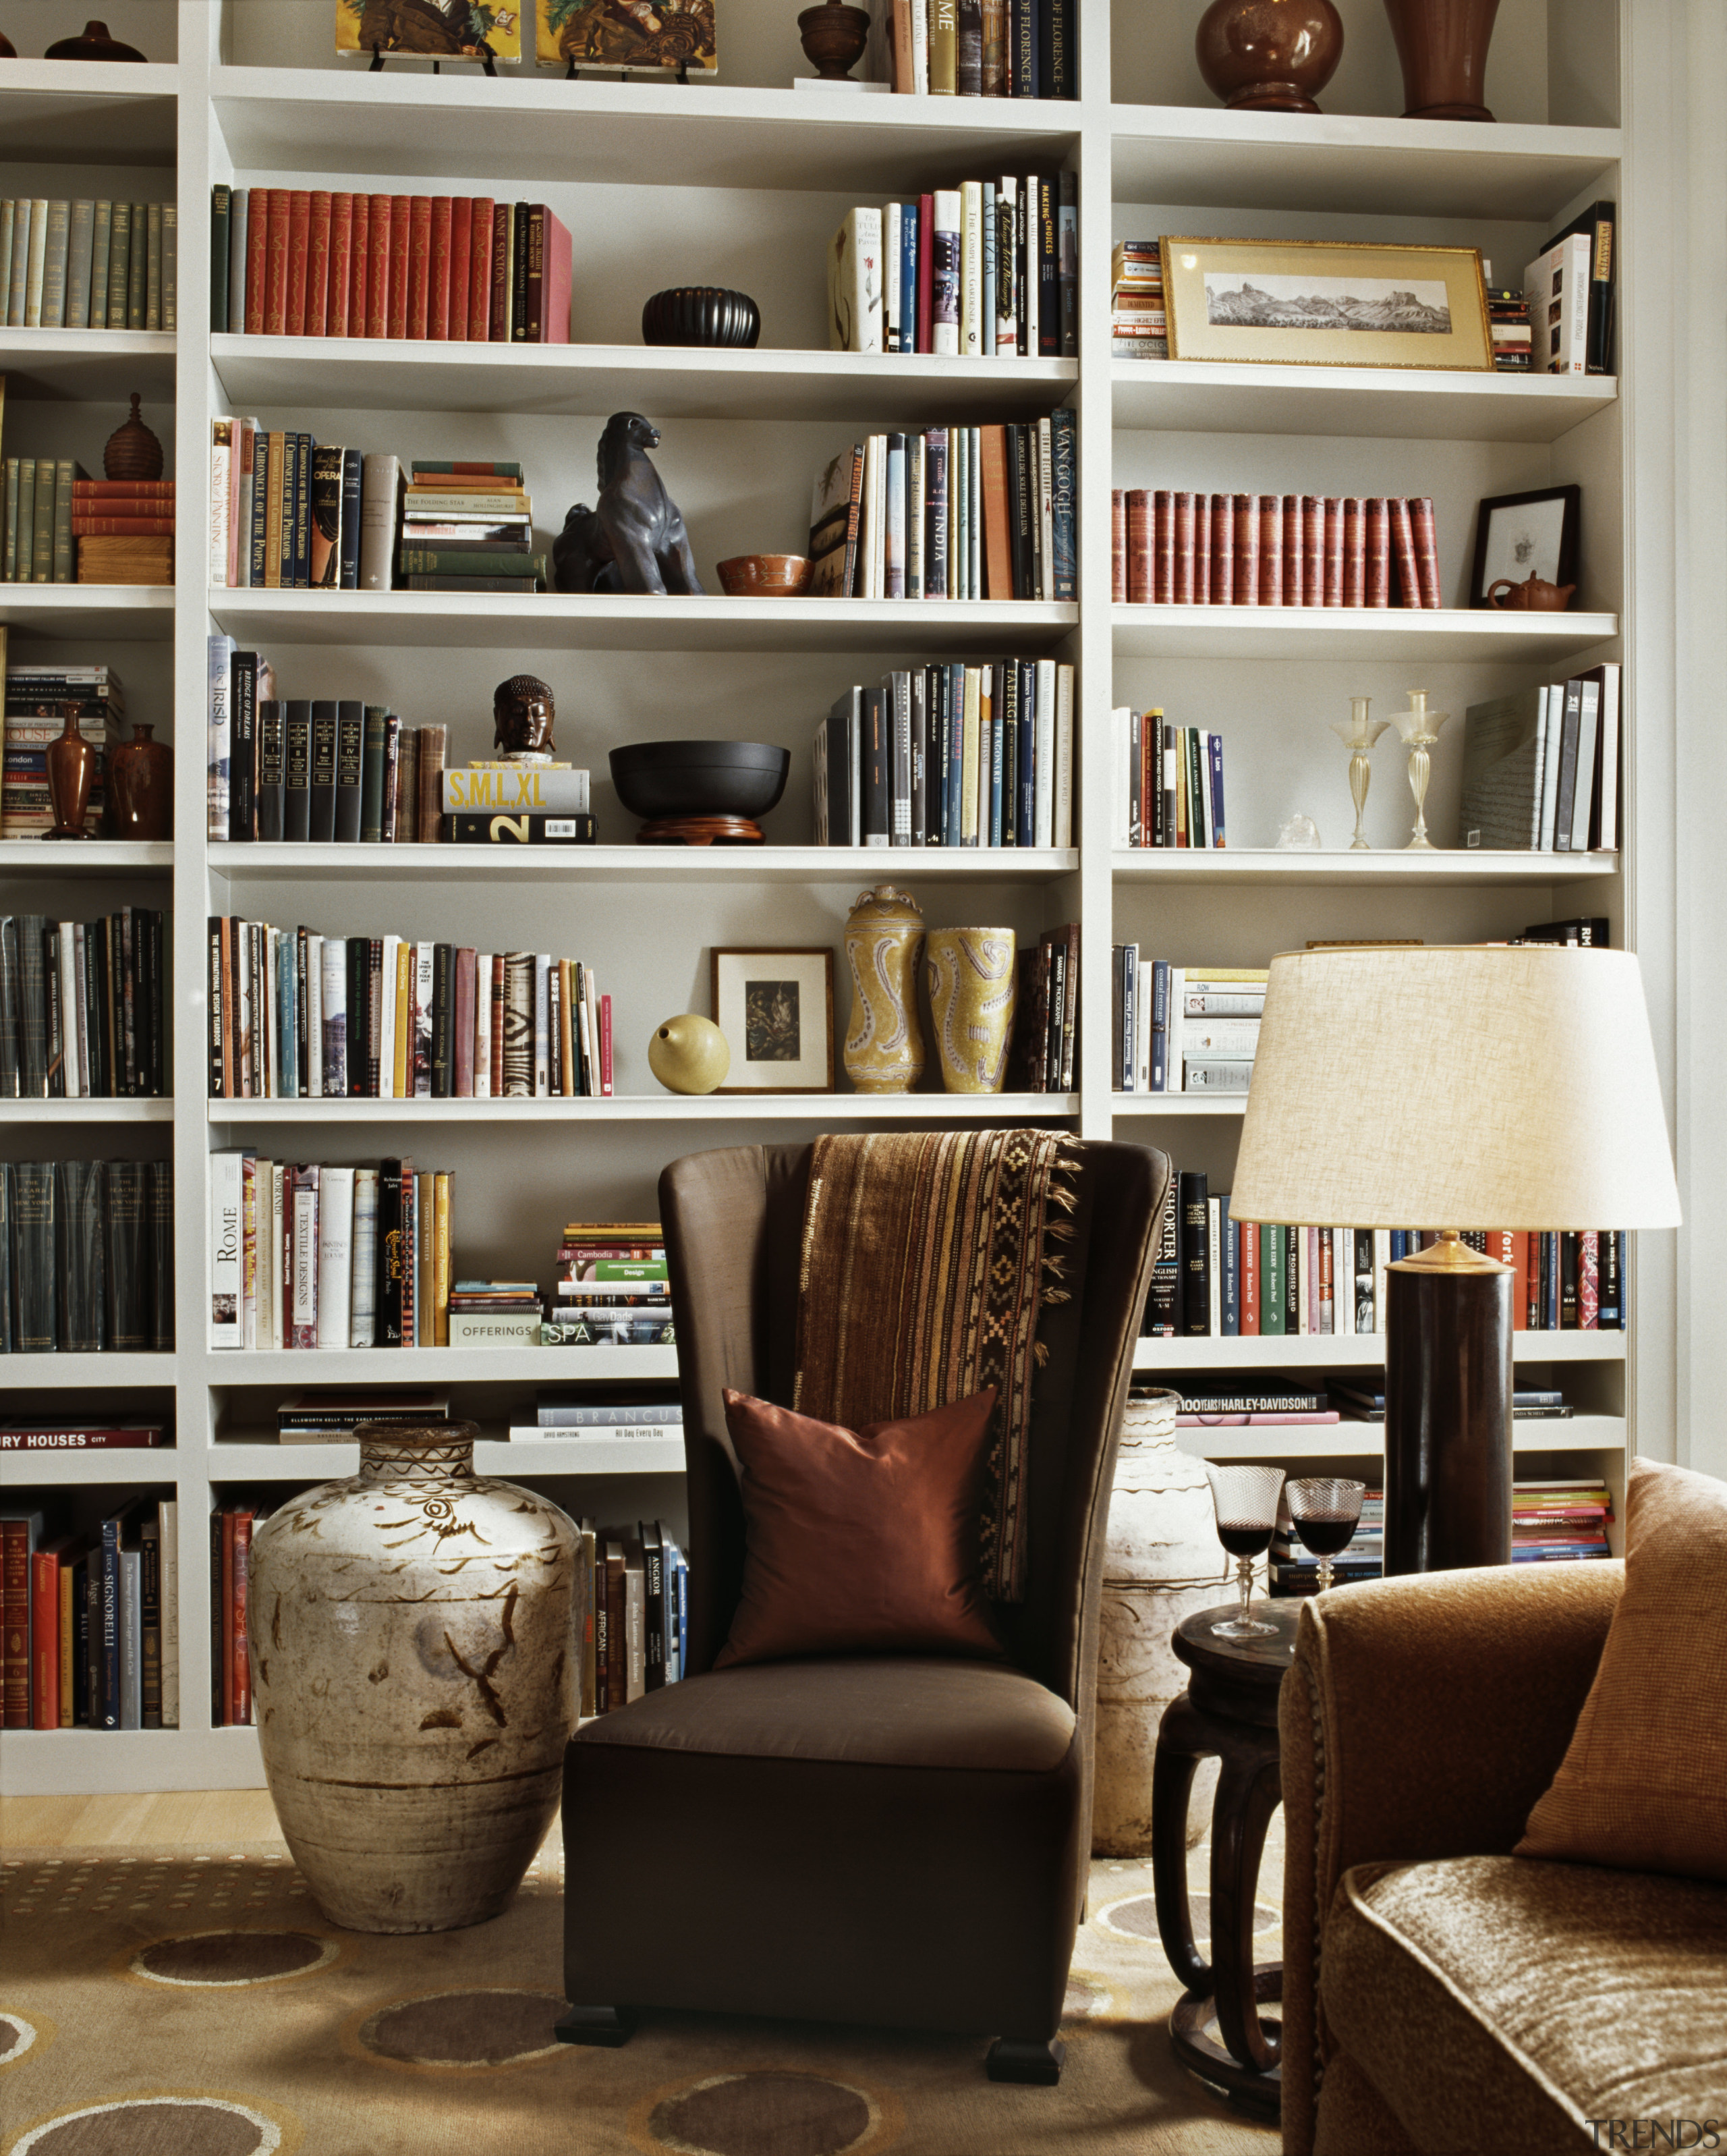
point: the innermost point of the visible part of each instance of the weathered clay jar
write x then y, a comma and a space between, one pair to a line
1161, 1564
412, 1679
1268, 55
71, 771
884, 943
1533, 595
141, 786
973, 982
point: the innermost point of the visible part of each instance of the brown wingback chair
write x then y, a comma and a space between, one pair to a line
900, 1840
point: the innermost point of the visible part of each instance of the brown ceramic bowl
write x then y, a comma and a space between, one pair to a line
765, 575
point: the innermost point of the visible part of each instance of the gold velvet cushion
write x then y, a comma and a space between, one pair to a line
1643, 1784
860, 1541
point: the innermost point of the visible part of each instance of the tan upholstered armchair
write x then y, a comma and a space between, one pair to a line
1439, 1993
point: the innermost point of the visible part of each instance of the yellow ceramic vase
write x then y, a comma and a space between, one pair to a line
972, 987
884, 943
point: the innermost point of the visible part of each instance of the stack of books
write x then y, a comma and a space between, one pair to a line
83, 1007
88, 1259
1295, 1570
1554, 1521
1362, 1400
92, 1621
494, 1313
984, 48
36, 700
1138, 327
574, 1419
1542, 767
985, 270
613, 1290
538, 804
1170, 548
1183, 1028
951, 513
949, 755
331, 1418
632, 1602
290, 514
1041, 1049
124, 529
468, 527
1508, 318
1214, 1400
88, 265
1168, 782
318, 1256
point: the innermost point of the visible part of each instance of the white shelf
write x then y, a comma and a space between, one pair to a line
794, 1108
359, 374
77, 1763
1193, 397
1332, 160
1442, 865
130, 613
124, 1110
265, 1462
1366, 1440
643, 864
1437, 635
549, 621
104, 858
89, 112
443, 1366
121, 1463
87, 366
1140, 1106
624, 135
1322, 1351
86, 1372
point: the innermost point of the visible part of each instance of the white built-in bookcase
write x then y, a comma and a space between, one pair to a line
741, 183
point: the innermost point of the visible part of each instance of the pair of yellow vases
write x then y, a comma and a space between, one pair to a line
971, 977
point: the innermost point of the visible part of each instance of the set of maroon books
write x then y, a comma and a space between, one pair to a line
1178, 549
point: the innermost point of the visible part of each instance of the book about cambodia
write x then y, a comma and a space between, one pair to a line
628, 34
429, 29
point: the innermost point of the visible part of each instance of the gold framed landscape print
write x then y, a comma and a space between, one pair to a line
1326, 303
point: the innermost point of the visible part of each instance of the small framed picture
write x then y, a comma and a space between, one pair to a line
1326, 303
1521, 535
776, 1008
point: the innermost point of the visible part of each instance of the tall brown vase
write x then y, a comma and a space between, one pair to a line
1268, 55
71, 769
1442, 45
141, 786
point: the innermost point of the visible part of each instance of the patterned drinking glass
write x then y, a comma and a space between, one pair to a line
1245, 1499
1326, 1510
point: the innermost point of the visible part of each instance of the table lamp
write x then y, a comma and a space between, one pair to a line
1510, 1087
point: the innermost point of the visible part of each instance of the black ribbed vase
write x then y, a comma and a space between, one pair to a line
701, 314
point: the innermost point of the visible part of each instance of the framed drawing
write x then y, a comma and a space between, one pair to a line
1326, 303
429, 29
776, 1008
626, 33
1521, 535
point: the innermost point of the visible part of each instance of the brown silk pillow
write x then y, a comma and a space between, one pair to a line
860, 1541
1643, 1786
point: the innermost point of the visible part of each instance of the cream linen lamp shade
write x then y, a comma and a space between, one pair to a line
1479, 1086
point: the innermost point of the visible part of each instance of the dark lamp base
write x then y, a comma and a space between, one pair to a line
1448, 1427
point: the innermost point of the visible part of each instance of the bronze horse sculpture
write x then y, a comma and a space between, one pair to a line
633, 539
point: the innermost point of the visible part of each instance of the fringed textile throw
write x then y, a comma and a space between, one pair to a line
928, 1258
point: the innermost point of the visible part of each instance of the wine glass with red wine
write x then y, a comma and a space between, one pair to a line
1245, 1499
1326, 1511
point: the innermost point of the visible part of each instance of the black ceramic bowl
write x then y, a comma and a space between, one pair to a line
700, 777
701, 314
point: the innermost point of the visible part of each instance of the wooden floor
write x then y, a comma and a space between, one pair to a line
180, 1819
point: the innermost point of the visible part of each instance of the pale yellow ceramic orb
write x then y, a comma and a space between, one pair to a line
688, 1054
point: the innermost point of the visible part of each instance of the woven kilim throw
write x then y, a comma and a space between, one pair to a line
928, 1258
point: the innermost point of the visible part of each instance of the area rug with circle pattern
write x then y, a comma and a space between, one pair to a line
177, 2003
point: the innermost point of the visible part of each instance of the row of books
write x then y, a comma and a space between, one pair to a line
1042, 1049
632, 1603
1226, 1279
1552, 1521
613, 1291
985, 270
83, 1008
949, 755
1541, 767
985, 48
1175, 548
92, 1621
310, 262
1168, 782
232, 1526
295, 1014
1508, 320
1182, 1029
64, 527
317, 1255
87, 1257
88, 265
951, 513
290, 514
468, 527
36, 700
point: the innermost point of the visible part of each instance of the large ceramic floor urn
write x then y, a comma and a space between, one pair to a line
1164, 1562
413, 1681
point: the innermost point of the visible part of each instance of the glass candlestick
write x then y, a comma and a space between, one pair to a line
1358, 738
1420, 729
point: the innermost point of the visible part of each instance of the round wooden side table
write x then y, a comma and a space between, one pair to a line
1229, 1711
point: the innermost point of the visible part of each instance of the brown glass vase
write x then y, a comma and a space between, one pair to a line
1268, 55
1442, 45
71, 770
833, 37
141, 786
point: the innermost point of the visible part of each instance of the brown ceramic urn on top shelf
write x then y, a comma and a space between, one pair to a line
1268, 55
1442, 45
141, 786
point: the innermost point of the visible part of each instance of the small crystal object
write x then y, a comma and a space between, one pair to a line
1420, 729
1299, 835
1358, 738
